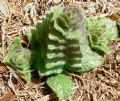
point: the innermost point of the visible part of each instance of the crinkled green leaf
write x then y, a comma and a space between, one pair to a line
19, 58
50, 46
61, 85
101, 30
57, 43
40, 50
89, 60
80, 58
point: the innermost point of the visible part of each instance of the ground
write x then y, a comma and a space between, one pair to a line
100, 84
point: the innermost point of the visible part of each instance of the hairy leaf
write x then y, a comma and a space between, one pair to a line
101, 30
89, 60
61, 85
19, 58
79, 56
39, 40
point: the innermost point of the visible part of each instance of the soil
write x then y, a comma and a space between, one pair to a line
100, 84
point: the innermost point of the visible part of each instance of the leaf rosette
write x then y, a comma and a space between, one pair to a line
101, 30
19, 58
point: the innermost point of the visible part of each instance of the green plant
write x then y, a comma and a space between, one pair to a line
101, 30
64, 45
58, 43
19, 58
61, 85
